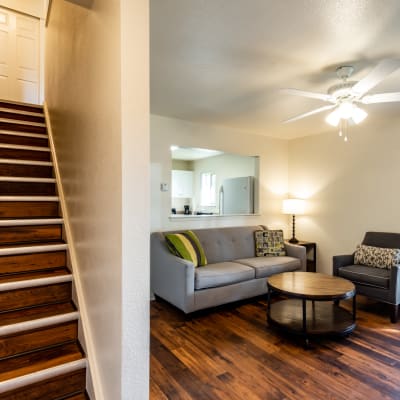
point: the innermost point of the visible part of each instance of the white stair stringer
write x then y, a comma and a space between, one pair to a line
38, 323
12, 251
35, 377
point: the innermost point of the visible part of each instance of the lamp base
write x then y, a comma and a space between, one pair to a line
293, 240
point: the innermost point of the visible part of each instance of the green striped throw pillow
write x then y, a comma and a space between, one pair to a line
186, 245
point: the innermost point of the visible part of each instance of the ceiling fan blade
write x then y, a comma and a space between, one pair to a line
381, 98
307, 114
313, 95
377, 75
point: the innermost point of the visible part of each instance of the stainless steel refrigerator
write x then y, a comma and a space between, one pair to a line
236, 195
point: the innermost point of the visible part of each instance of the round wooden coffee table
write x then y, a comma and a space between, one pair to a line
311, 304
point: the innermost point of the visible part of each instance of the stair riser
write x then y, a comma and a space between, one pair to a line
29, 234
21, 117
50, 389
33, 209
27, 189
24, 140
32, 262
31, 155
35, 296
20, 107
81, 396
28, 171
23, 342
15, 126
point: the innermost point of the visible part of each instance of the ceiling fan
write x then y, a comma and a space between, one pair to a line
344, 97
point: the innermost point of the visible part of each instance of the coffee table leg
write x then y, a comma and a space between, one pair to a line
305, 322
268, 303
354, 308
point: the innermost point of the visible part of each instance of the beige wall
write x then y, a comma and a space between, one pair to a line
32, 7
352, 187
224, 166
273, 170
101, 139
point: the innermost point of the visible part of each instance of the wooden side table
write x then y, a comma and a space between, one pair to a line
311, 249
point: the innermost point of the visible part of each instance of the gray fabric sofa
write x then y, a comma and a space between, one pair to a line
376, 283
232, 273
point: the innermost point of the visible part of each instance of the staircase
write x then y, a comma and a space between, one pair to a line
40, 356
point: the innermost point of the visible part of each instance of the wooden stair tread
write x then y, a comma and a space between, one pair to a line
39, 360
19, 115
34, 275
13, 105
28, 314
33, 244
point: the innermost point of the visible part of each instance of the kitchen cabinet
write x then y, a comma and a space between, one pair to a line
182, 184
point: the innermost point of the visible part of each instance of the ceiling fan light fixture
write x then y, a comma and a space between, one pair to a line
345, 110
358, 115
333, 118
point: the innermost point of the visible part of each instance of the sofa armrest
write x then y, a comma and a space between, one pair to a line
172, 278
341, 261
294, 250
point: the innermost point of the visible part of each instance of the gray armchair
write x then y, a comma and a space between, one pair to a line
376, 283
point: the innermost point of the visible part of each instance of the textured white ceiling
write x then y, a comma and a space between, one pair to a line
223, 62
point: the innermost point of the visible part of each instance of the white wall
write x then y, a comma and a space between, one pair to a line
352, 187
273, 171
97, 94
135, 199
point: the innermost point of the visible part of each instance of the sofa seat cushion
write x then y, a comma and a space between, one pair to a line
267, 266
221, 274
379, 277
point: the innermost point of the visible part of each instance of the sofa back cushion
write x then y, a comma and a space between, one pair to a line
226, 244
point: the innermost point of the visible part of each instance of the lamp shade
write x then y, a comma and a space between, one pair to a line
293, 206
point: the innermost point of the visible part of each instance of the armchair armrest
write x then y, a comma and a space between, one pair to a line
294, 250
341, 261
395, 285
172, 278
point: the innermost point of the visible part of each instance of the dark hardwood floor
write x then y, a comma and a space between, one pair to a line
230, 353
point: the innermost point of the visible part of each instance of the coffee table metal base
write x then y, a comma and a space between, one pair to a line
309, 318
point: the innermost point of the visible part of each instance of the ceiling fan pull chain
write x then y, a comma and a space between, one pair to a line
341, 128
345, 123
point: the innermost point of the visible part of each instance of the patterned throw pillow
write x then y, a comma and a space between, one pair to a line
269, 243
186, 245
378, 257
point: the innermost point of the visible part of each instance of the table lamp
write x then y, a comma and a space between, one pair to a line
293, 206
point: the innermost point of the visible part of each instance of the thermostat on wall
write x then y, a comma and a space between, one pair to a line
164, 187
